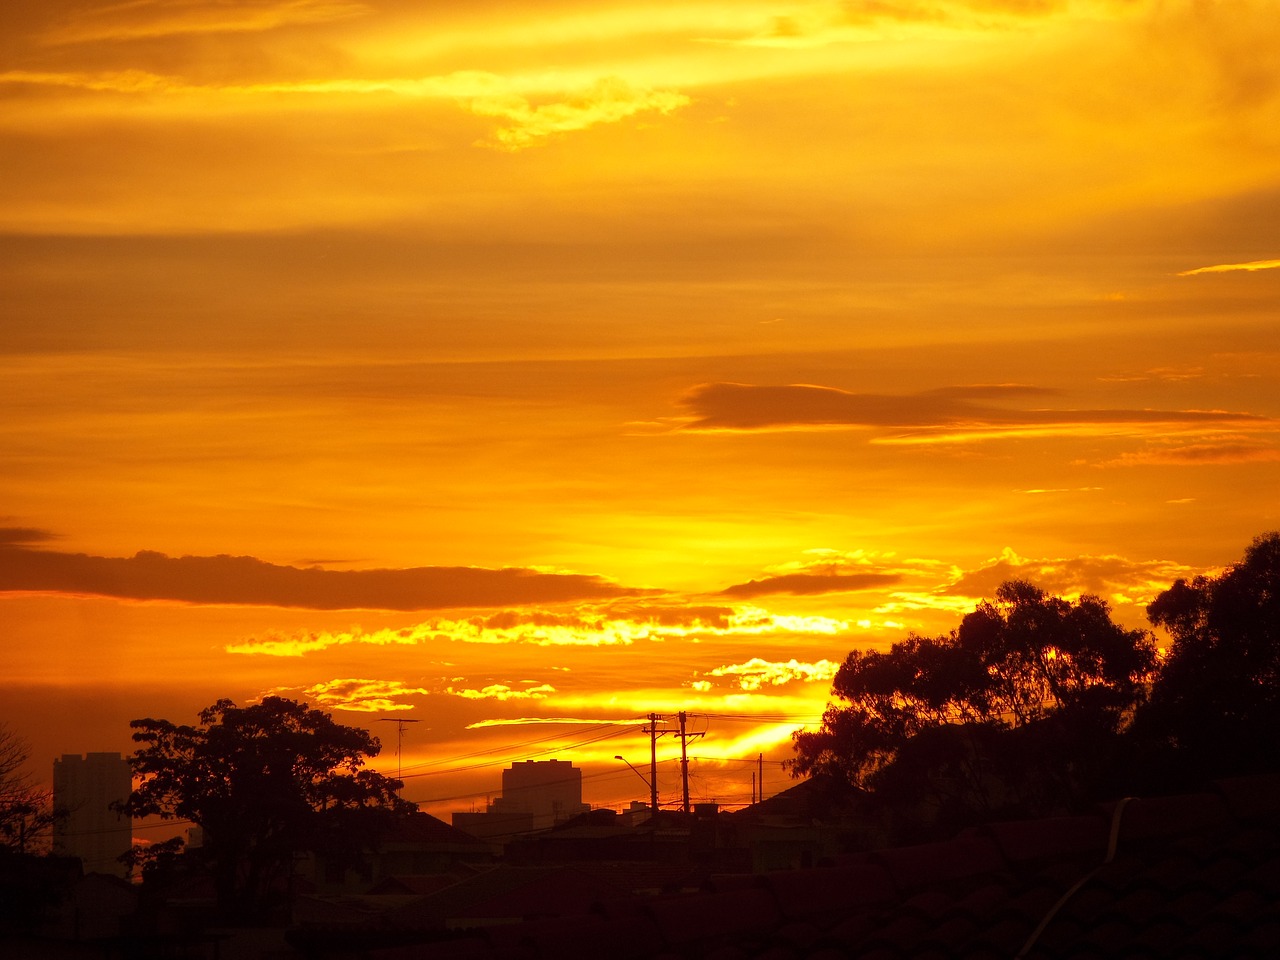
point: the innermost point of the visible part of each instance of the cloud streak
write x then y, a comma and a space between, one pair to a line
758, 673
360, 695
152, 19
504, 692
1249, 267
811, 584
946, 414
149, 575
623, 626
609, 100
1199, 454
530, 108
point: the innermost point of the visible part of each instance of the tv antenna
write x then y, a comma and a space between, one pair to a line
399, 722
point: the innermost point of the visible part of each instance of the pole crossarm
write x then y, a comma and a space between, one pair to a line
654, 733
685, 737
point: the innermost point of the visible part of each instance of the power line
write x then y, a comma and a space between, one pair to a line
501, 760
751, 760
507, 747
760, 717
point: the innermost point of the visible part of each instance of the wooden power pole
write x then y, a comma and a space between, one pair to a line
684, 757
654, 734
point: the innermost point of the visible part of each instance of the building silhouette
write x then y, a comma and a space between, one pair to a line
84, 788
536, 794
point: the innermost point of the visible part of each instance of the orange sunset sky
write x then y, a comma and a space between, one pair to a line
488, 362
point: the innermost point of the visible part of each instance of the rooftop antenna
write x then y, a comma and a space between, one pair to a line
399, 722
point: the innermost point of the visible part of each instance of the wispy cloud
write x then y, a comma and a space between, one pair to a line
1199, 454
149, 575
364, 696
532, 721
757, 673
810, 25
1114, 578
1046, 491
588, 627
151, 19
949, 414
609, 100
14, 536
809, 584
1250, 266
822, 571
504, 692
530, 108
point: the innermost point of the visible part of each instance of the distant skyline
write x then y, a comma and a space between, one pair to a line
505, 365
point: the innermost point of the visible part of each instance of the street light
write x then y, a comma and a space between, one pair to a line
642, 778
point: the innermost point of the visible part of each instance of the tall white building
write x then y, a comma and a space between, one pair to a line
550, 790
83, 790
536, 794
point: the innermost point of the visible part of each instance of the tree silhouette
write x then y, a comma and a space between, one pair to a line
264, 783
26, 811
997, 714
1215, 708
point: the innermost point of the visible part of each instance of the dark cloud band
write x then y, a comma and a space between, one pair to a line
741, 406
807, 584
247, 580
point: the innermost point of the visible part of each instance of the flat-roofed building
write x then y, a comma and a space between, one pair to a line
549, 790
84, 789
536, 794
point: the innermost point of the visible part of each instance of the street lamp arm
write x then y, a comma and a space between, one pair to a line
642, 777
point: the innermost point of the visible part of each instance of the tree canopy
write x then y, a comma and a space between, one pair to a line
1215, 708
1022, 677
263, 782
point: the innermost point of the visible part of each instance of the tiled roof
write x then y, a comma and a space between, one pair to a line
415, 884
812, 799
506, 893
422, 828
1193, 877
639, 877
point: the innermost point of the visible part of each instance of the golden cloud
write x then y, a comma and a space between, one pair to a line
363, 696
504, 692
1114, 578
609, 100
757, 673
588, 627
150, 19
1248, 267
567, 721
530, 108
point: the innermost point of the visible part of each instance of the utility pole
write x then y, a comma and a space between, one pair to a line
684, 757
760, 779
654, 733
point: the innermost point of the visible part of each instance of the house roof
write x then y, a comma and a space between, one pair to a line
507, 893
818, 798
1194, 876
414, 884
422, 828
